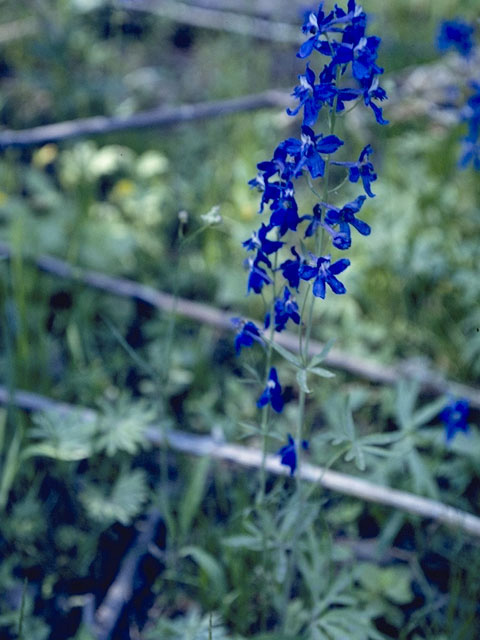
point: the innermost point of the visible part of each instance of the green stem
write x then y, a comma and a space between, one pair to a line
304, 351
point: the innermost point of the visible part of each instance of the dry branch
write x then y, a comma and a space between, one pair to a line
208, 18
364, 368
159, 117
251, 458
17, 29
120, 591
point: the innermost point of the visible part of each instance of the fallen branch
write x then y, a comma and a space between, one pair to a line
368, 369
252, 458
267, 8
209, 18
160, 117
120, 591
17, 29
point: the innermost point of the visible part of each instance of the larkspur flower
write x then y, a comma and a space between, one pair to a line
454, 417
258, 241
345, 217
288, 454
307, 151
291, 269
285, 214
285, 309
272, 394
362, 169
257, 276
247, 334
323, 273
456, 34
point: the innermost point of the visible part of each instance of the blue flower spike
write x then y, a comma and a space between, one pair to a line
272, 394
454, 417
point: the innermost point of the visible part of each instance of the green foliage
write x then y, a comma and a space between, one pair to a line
190, 627
67, 478
122, 503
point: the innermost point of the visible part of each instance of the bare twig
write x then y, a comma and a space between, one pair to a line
206, 314
17, 29
154, 118
267, 8
120, 591
217, 19
252, 458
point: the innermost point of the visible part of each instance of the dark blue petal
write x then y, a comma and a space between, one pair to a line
339, 266
319, 287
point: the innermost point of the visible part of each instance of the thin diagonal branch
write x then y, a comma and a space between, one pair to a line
362, 367
159, 117
17, 29
120, 591
252, 458
217, 19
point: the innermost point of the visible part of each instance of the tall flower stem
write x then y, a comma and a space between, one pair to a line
302, 398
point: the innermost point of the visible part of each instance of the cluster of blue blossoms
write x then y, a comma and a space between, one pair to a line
278, 246
459, 35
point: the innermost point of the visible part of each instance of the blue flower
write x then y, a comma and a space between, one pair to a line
306, 152
319, 23
343, 218
288, 454
257, 276
259, 241
291, 269
272, 394
456, 34
471, 113
316, 221
247, 334
375, 92
324, 273
285, 213
307, 96
455, 417
361, 169
470, 154
285, 309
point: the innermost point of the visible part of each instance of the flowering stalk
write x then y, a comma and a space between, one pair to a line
293, 244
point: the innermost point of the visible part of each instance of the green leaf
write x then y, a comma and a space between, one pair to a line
320, 357
428, 412
320, 372
286, 354
302, 380
62, 436
243, 542
210, 565
124, 502
190, 502
122, 426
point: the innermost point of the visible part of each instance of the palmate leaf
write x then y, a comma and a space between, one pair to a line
353, 447
121, 504
122, 426
61, 435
